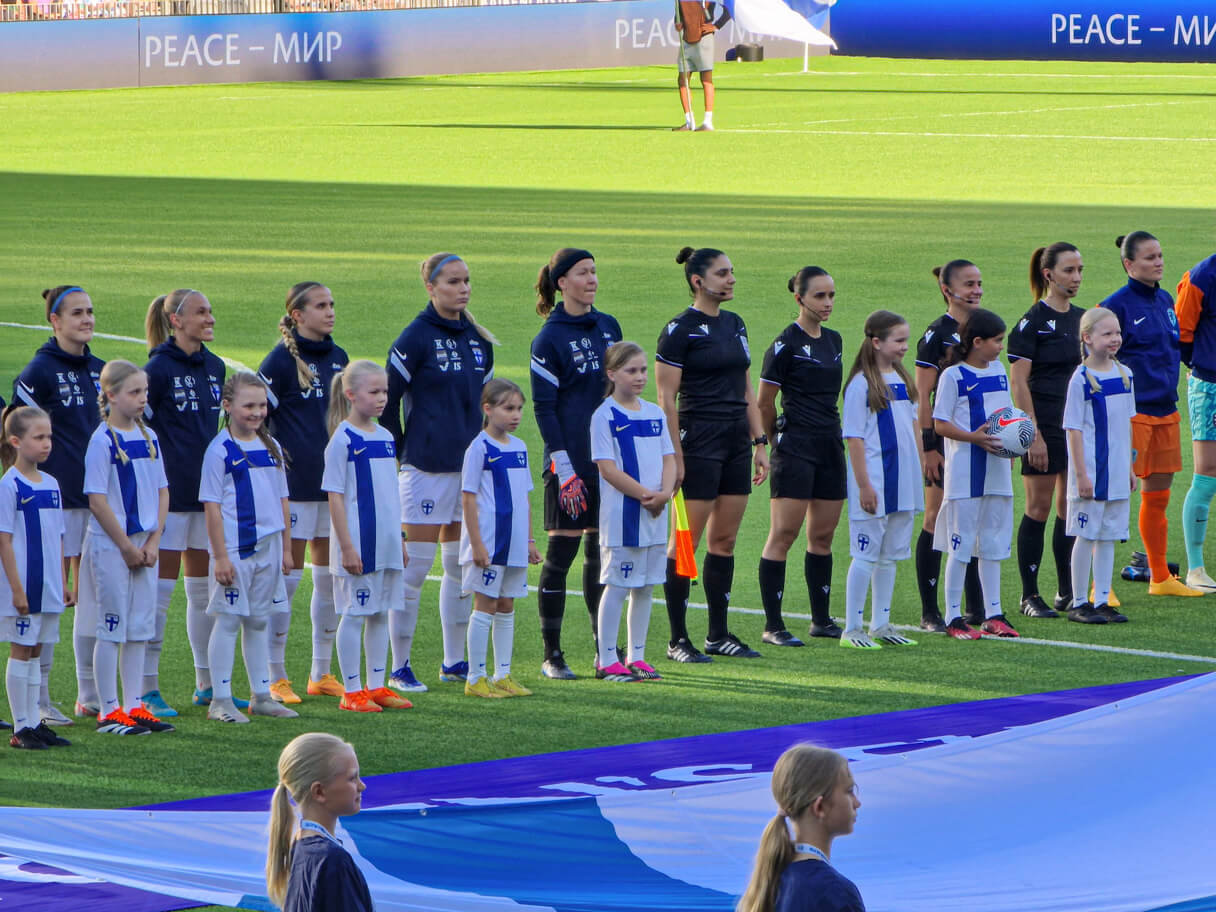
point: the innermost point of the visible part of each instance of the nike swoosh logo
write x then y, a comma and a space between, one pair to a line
1138, 322
623, 427
494, 459
25, 500
278, 601
538, 360
972, 386
1005, 422
360, 452
238, 462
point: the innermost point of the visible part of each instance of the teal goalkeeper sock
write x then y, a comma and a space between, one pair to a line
1195, 517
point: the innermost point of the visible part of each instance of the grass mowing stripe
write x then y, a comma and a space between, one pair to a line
1038, 137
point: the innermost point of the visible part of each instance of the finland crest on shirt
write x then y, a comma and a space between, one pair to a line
966, 396
362, 467
636, 442
32, 513
249, 484
498, 474
891, 446
1103, 416
130, 471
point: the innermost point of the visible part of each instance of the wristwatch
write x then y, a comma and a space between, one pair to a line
760, 441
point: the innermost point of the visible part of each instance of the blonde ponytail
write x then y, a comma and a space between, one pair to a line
774, 855
278, 853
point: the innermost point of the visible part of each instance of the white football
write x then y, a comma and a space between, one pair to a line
1013, 428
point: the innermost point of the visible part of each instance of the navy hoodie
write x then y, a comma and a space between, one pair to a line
1150, 344
436, 370
297, 416
568, 381
66, 387
184, 410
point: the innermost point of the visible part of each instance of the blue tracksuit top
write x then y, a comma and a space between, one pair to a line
1150, 344
184, 410
1196, 309
297, 416
568, 381
436, 370
66, 387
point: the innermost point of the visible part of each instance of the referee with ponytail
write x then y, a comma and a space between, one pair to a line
567, 386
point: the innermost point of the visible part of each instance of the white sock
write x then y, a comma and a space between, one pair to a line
198, 627
45, 659
16, 682
990, 583
33, 684
375, 648
882, 586
454, 607
84, 646
1104, 568
255, 646
856, 588
131, 670
504, 643
612, 601
479, 643
350, 649
324, 621
1082, 556
221, 653
955, 578
688, 118
401, 624
105, 675
639, 621
709, 119
279, 628
164, 594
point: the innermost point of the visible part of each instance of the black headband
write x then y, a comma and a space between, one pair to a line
562, 266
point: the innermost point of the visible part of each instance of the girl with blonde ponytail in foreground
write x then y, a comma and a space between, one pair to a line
816, 798
307, 868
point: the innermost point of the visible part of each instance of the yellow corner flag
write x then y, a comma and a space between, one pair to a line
686, 559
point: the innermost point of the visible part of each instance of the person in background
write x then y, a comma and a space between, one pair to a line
695, 23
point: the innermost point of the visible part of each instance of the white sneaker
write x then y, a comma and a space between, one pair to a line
225, 711
857, 639
889, 635
1198, 578
52, 715
265, 705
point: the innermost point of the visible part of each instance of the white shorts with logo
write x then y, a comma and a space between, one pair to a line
633, 568
877, 538
309, 519
259, 587
370, 593
496, 581
1098, 520
185, 532
429, 498
75, 522
30, 629
975, 527
120, 603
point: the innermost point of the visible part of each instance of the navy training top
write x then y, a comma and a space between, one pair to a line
66, 387
1150, 344
811, 885
297, 416
568, 381
1196, 309
184, 410
324, 878
436, 370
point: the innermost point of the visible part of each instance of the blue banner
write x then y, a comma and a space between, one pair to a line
1149, 30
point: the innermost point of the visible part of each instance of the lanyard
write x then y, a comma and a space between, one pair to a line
805, 848
317, 828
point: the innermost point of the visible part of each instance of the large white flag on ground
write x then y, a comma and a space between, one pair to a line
783, 18
1105, 810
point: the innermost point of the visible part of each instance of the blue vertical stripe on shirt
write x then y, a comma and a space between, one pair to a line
972, 387
237, 463
889, 442
29, 502
127, 485
499, 474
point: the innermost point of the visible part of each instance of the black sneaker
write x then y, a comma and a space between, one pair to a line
1063, 603
5, 726
47, 736
780, 638
1112, 615
27, 740
555, 667
1033, 606
682, 650
974, 618
730, 645
1085, 614
1140, 559
933, 622
831, 630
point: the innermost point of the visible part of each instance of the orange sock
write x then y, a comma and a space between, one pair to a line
1154, 531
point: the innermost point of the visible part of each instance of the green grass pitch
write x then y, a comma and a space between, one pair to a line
876, 170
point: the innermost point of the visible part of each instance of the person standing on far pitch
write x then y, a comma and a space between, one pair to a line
695, 23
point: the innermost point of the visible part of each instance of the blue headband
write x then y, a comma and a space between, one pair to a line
566, 263
452, 258
63, 294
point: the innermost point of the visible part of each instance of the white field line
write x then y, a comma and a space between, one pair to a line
928, 134
231, 362
1030, 641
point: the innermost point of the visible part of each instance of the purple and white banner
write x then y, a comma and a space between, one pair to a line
1027, 786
